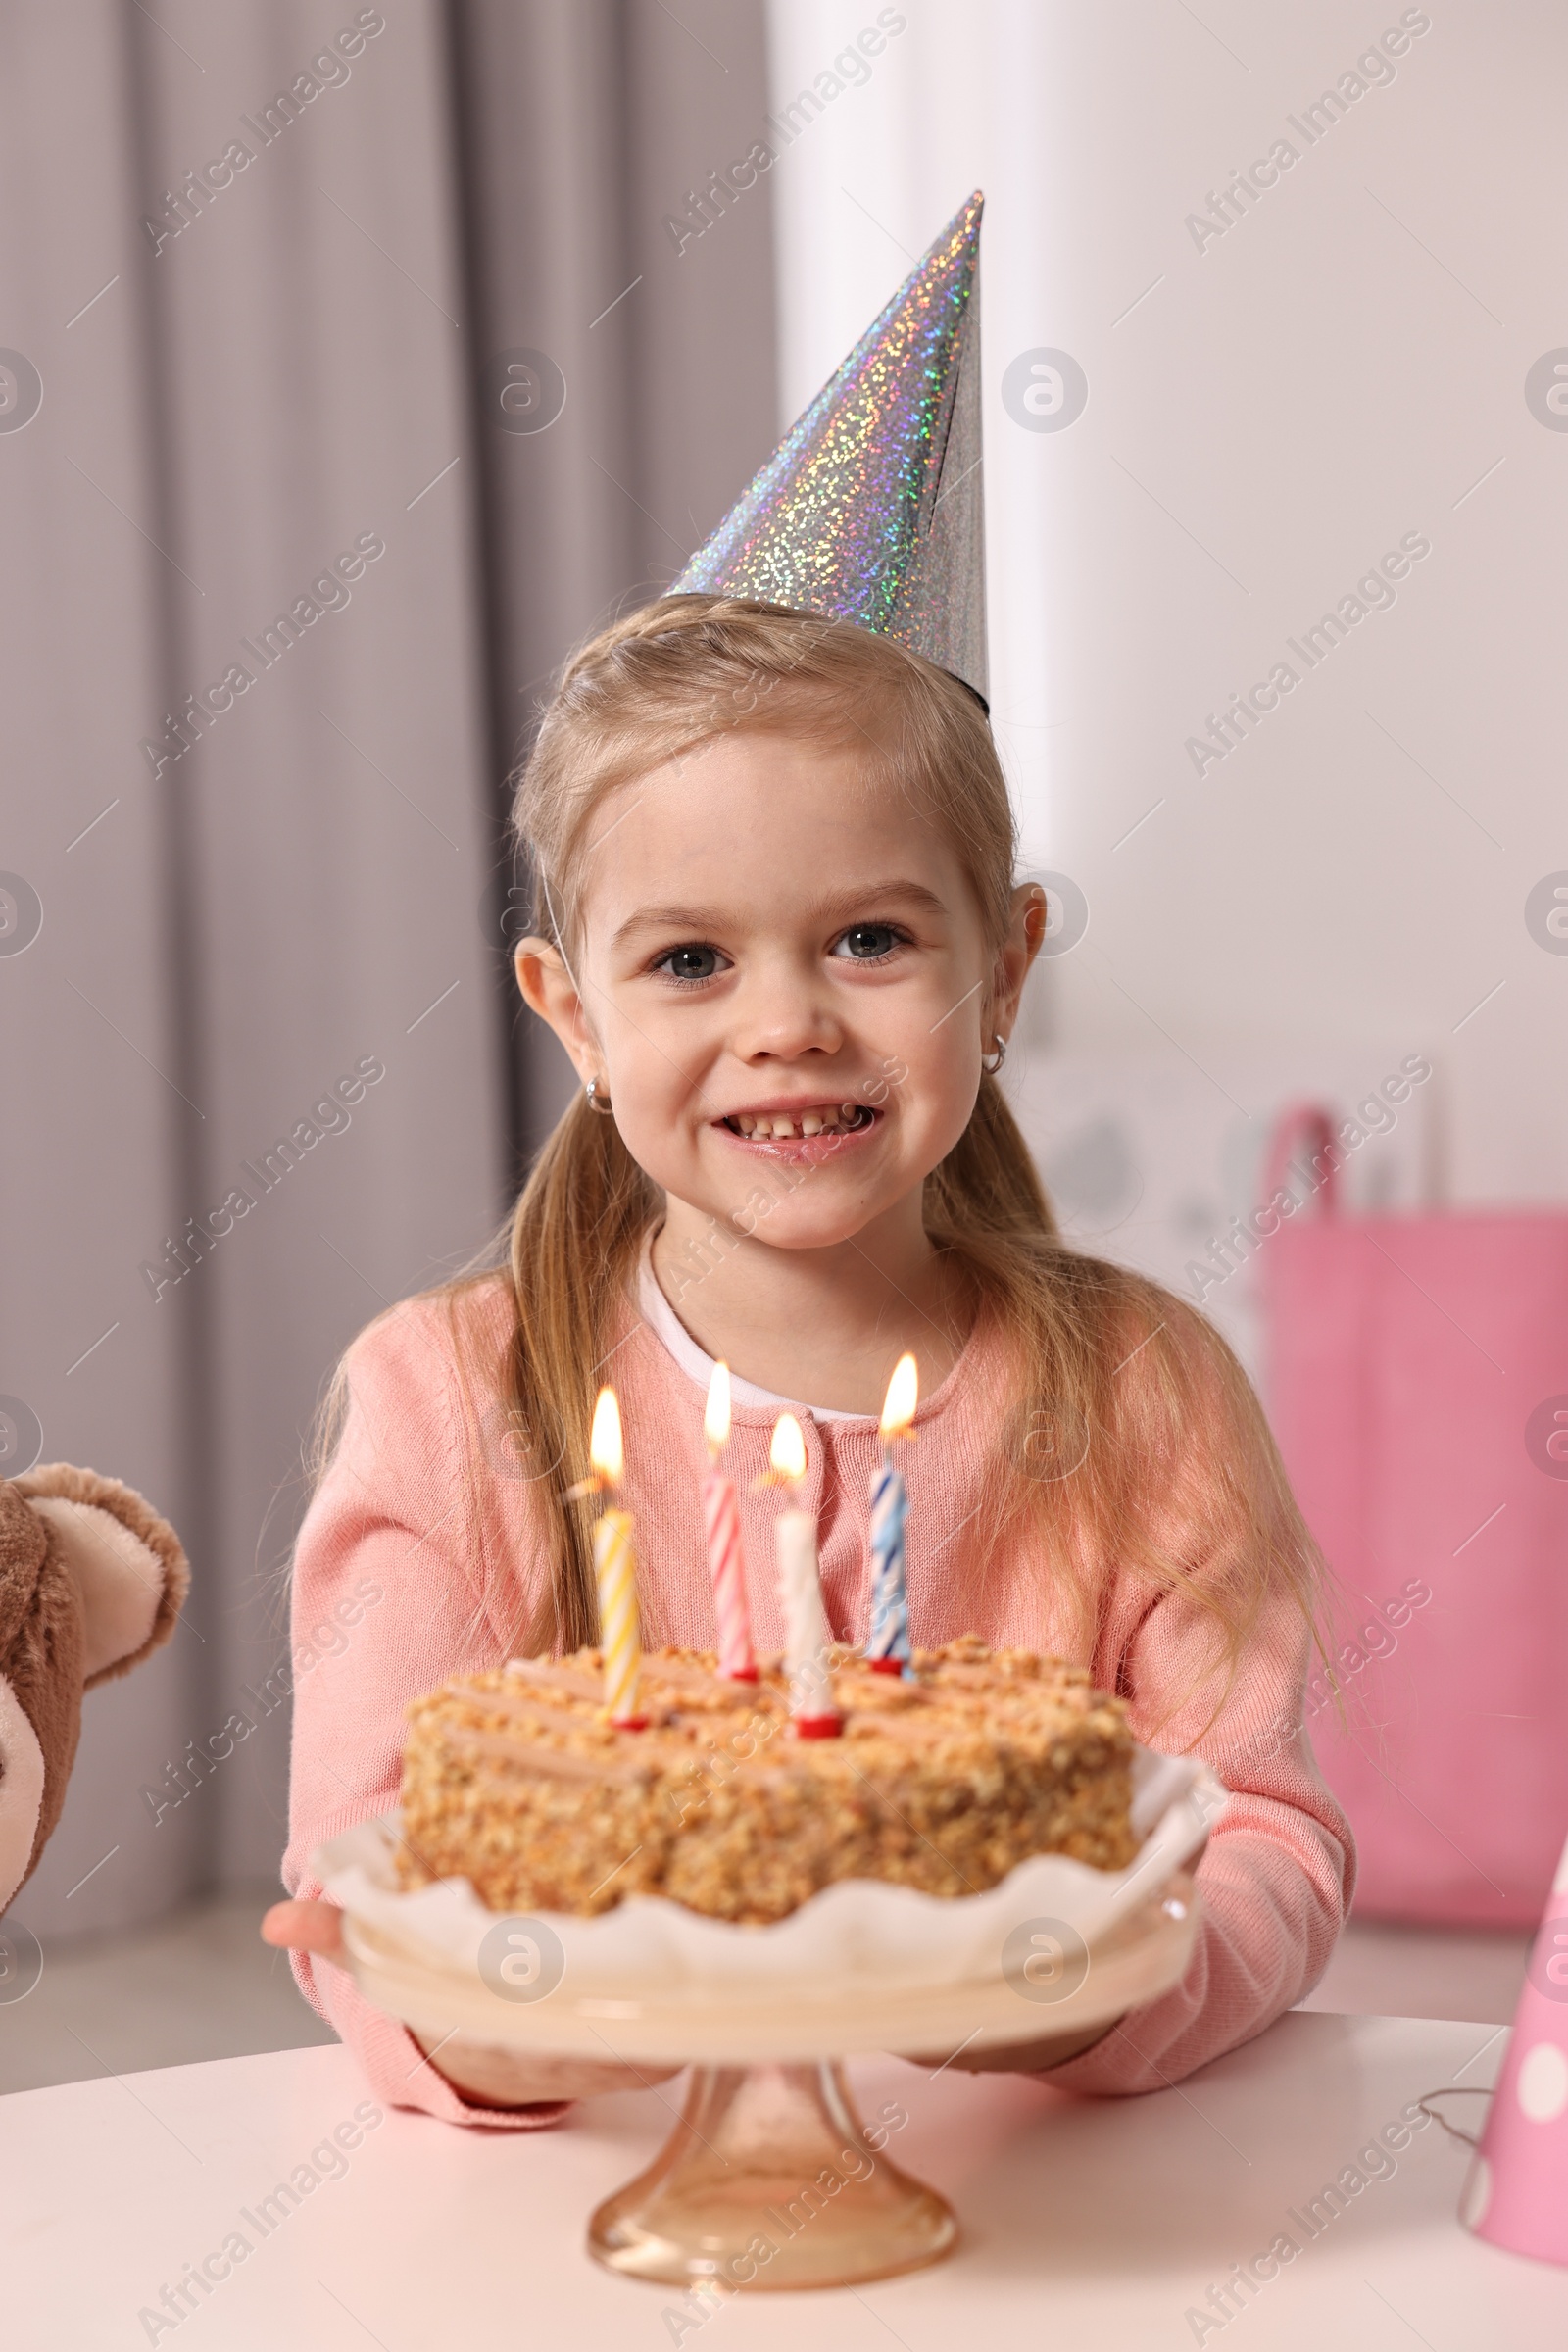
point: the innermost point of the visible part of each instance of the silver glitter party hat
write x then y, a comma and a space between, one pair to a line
871, 510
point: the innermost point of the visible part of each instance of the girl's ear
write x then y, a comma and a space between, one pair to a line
548, 990
1026, 931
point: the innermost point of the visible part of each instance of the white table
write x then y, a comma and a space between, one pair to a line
1086, 2224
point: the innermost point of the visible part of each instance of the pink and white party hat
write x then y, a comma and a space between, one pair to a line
1517, 2192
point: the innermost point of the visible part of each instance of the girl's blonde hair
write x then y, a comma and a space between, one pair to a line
1096, 1453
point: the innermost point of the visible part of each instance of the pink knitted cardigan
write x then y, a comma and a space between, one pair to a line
426, 1507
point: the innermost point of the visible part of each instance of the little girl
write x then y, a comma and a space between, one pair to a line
778, 934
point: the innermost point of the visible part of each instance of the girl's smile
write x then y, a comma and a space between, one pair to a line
784, 1128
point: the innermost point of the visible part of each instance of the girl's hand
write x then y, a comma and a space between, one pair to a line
485, 2073
489, 2075
1018, 2057
316, 1928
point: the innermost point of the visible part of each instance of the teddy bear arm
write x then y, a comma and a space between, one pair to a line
40, 1686
24, 1778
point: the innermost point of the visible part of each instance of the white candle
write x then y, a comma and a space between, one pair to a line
806, 1636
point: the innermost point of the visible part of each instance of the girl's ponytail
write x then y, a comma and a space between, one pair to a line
575, 1239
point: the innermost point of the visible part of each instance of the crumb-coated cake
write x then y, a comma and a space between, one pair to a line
943, 1780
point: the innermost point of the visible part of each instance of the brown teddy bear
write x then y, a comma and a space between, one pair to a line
91, 1582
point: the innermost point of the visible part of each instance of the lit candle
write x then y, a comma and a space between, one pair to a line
615, 1567
813, 1714
887, 1646
725, 1560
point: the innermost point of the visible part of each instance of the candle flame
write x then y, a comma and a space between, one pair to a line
903, 1394
605, 1449
715, 1421
788, 1451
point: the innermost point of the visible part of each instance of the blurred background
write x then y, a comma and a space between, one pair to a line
474, 302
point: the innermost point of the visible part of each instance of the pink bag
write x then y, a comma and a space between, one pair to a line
1418, 1388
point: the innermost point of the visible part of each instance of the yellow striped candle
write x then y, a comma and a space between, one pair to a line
616, 1568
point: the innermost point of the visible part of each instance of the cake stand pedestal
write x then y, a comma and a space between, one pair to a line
769, 2179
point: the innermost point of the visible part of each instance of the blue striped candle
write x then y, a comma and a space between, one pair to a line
888, 1642
887, 1645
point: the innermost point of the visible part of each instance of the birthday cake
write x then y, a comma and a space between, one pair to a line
941, 1778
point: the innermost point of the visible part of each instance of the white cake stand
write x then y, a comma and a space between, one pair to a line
771, 2180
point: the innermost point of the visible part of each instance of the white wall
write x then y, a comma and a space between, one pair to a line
1335, 371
